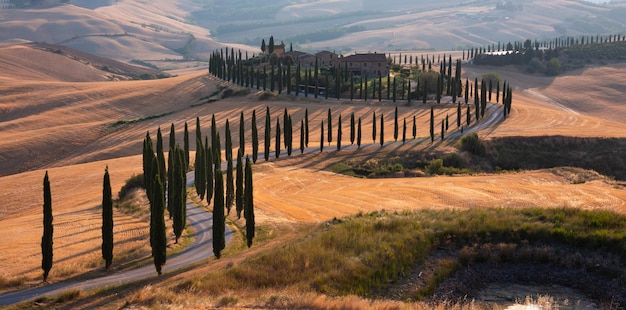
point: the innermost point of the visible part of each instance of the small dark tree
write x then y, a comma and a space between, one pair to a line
248, 212
395, 125
339, 134
306, 127
268, 134
255, 138
358, 134
352, 128
302, 136
414, 128
432, 125
263, 46
48, 229
330, 128
242, 133
277, 145
186, 146
404, 131
322, 137
239, 203
107, 220
382, 130
230, 183
219, 224
374, 127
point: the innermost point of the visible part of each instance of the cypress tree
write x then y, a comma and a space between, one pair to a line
302, 136
339, 133
458, 115
267, 134
172, 137
255, 138
180, 218
228, 142
198, 129
468, 115
289, 137
442, 130
404, 131
242, 133
208, 153
161, 156
219, 225
249, 204
322, 137
285, 131
200, 170
358, 134
147, 164
394, 89
107, 220
277, 146
230, 183
374, 128
186, 146
306, 127
157, 226
425, 91
330, 128
48, 229
432, 125
414, 128
395, 125
498, 91
352, 128
239, 194
382, 131
446, 122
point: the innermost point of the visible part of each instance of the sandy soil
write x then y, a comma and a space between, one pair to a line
65, 127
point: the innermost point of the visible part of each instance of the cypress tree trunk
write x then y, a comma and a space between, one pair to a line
249, 204
239, 203
48, 229
219, 227
267, 134
107, 220
255, 138
358, 134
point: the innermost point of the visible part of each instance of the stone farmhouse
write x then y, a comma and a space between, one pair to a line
357, 64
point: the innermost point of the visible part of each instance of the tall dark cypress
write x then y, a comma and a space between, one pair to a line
248, 212
219, 225
268, 134
322, 137
180, 218
157, 226
242, 133
198, 129
161, 156
395, 125
352, 128
302, 136
147, 164
48, 229
468, 115
330, 128
432, 124
374, 127
107, 220
414, 128
289, 135
339, 133
208, 154
458, 115
228, 141
200, 169
286, 131
277, 140
404, 131
230, 183
186, 145
239, 185
255, 138
358, 134
306, 127
382, 130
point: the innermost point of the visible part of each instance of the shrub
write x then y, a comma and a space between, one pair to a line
136, 181
553, 67
471, 143
453, 160
494, 77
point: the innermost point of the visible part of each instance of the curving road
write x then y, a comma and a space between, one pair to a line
201, 248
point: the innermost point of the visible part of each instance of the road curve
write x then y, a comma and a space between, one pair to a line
201, 248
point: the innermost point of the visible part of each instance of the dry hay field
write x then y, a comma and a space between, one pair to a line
69, 129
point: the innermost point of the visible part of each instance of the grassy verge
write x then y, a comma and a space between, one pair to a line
364, 253
137, 120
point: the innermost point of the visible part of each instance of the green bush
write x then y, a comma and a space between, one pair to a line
471, 143
136, 181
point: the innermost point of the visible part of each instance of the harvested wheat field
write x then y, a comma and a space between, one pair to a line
74, 129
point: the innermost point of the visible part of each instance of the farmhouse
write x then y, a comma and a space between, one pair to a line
370, 64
